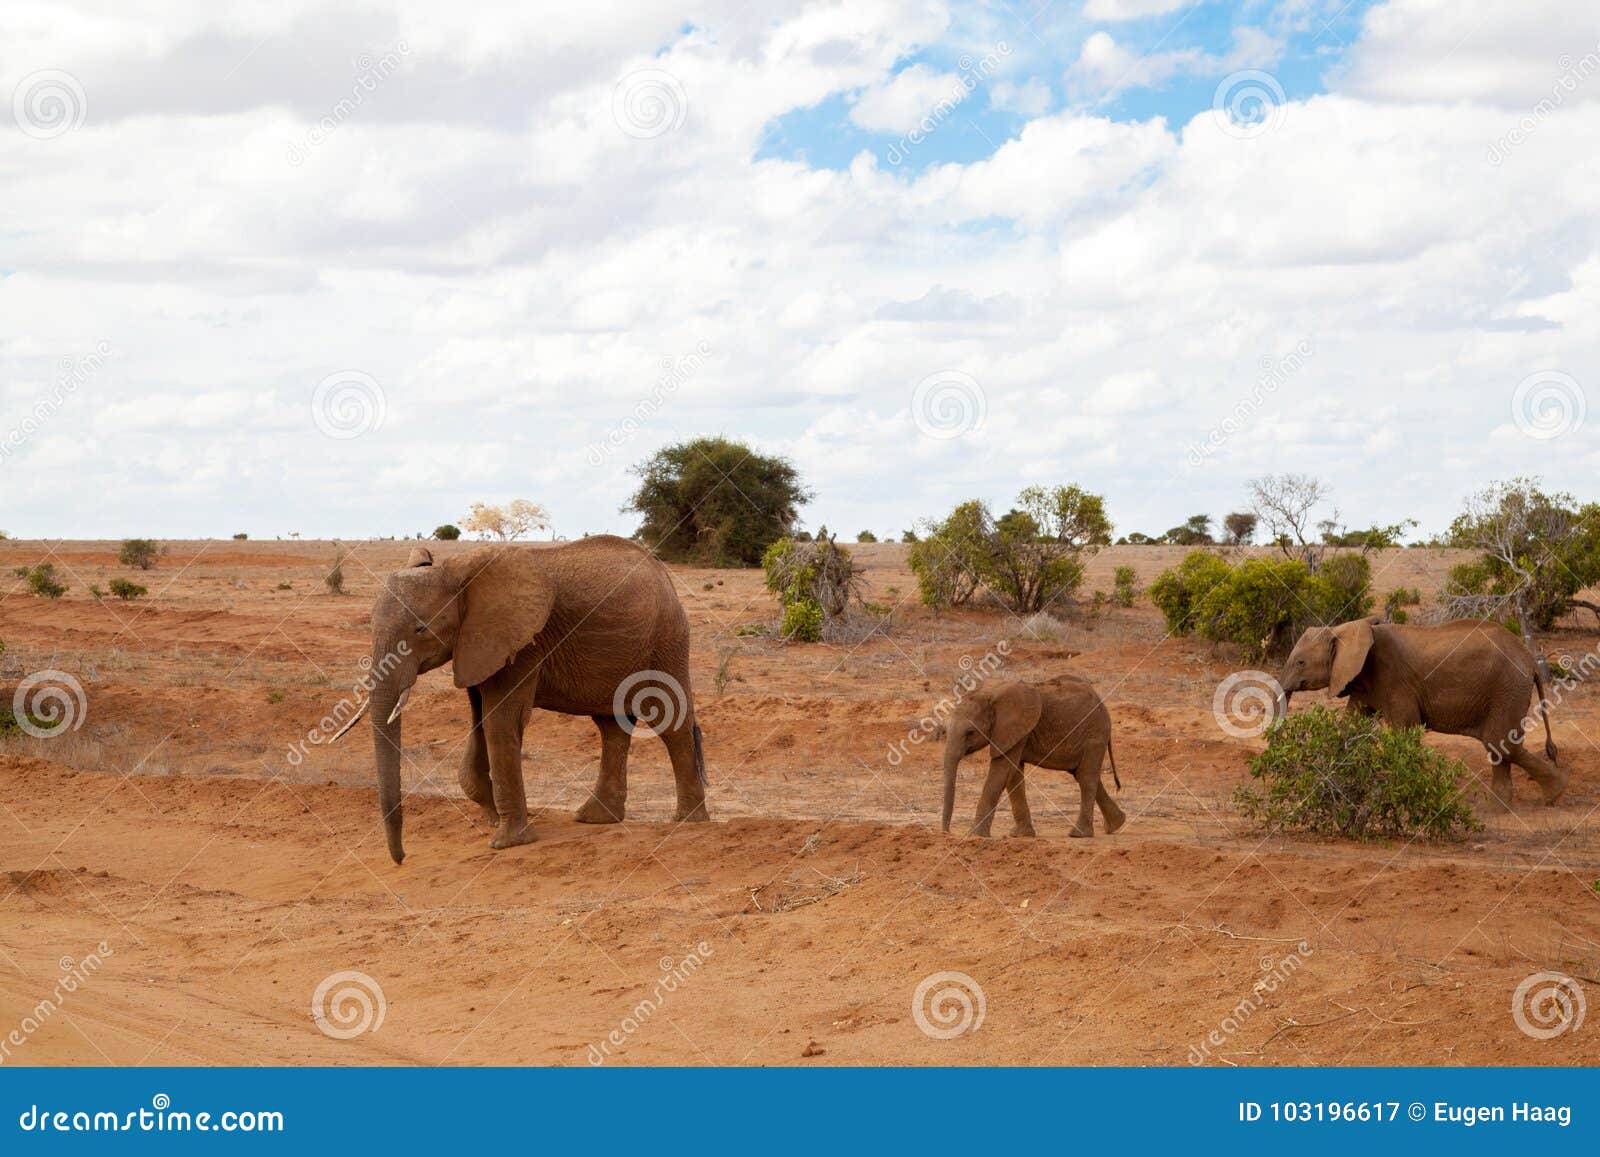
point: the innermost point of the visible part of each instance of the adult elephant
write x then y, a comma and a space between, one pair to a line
1461, 678
592, 627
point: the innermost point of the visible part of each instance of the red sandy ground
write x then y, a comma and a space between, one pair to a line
227, 883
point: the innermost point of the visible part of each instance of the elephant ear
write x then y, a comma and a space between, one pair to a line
1352, 642
1017, 708
421, 556
506, 598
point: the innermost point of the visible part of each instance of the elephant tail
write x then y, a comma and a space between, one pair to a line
1542, 688
1112, 755
700, 756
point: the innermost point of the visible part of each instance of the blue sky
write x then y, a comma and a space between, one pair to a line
1299, 47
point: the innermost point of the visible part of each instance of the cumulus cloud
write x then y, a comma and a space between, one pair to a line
522, 238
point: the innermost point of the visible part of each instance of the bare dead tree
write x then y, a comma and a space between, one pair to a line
1284, 502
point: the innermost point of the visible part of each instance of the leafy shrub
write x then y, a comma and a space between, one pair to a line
948, 561
1125, 587
1262, 604
449, 532
124, 589
286, 586
802, 622
42, 580
1339, 773
241, 538
1397, 600
139, 552
813, 580
1176, 592
96, 593
866, 536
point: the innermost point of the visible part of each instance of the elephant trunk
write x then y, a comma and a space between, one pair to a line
386, 753
952, 759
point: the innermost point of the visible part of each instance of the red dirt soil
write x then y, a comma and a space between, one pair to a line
227, 879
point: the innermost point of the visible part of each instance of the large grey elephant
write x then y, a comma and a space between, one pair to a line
1461, 678
592, 627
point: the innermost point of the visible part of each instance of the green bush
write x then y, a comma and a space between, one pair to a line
1396, 602
802, 622
124, 589
139, 552
1262, 604
949, 560
447, 533
241, 538
866, 536
1125, 587
1175, 592
42, 580
1339, 773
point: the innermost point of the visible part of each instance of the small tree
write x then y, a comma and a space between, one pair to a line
125, 590
447, 533
1194, 532
1536, 552
866, 536
1035, 555
1125, 587
515, 520
1239, 528
241, 537
715, 501
1284, 502
139, 552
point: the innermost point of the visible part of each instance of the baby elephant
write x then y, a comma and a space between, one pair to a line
1060, 724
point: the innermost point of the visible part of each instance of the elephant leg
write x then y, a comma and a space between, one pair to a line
1551, 779
474, 774
1089, 792
608, 803
1017, 788
1000, 769
1500, 778
507, 702
688, 761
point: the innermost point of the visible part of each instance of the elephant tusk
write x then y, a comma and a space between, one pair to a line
400, 705
349, 723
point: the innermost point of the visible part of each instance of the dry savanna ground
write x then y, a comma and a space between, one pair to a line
212, 882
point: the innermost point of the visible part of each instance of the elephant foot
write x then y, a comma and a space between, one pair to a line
1023, 832
1114, 823
693, 815
490, 816
977, 832
594, 811
1082, 834
505, 837
1553, 789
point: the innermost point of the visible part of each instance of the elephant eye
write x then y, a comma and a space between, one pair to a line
422, 628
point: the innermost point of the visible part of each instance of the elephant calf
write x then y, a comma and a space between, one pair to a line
1460, 678
1061, 724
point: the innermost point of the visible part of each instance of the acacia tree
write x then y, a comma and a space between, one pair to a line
1240, 527
715, 501
1537, 551
505, 523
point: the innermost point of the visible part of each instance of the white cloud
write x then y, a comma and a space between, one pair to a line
901, 103
518, 272
1111, 11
